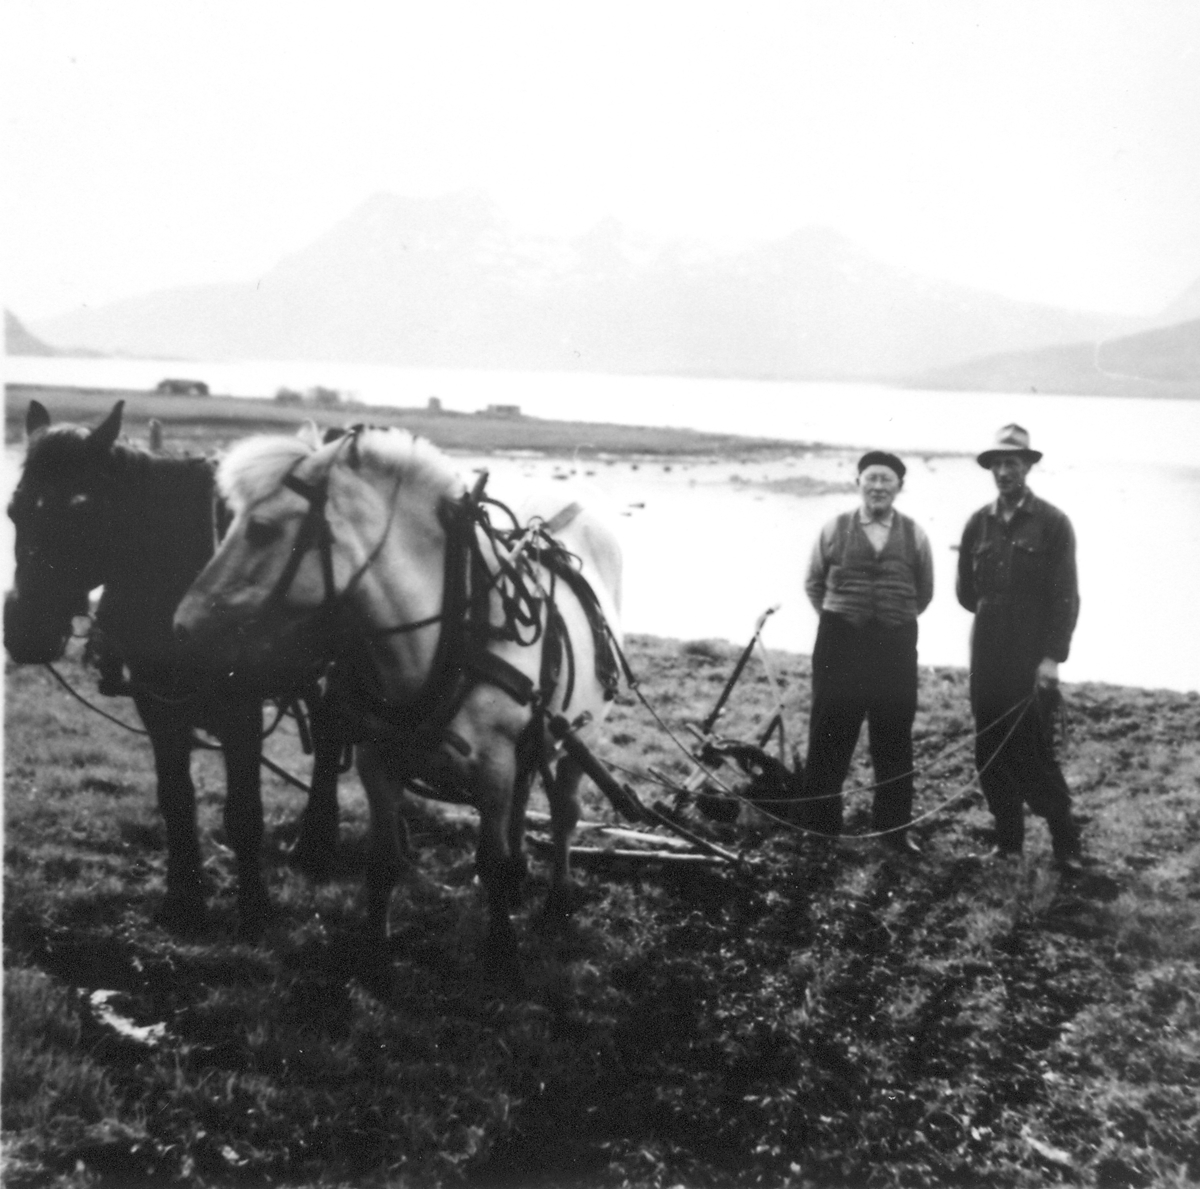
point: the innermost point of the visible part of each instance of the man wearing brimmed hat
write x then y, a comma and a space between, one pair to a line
1016, 573
870, 576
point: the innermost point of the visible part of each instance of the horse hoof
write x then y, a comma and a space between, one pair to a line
185, 916
251, 926
501, 965
253, 916
562, 903
513, 879
373, 970
514, 892
312, 859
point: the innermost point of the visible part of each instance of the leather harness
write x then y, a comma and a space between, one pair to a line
462, 660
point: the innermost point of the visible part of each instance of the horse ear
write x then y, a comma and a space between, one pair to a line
36, 418
309, 434
105, 434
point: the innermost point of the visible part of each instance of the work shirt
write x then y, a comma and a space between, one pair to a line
1019, 579
849, 575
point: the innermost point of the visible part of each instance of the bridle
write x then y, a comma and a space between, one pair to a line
32, 556
315, 532
482, 562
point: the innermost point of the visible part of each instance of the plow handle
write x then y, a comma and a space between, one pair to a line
707, 725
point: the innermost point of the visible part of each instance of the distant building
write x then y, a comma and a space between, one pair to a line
288, 396
435, 404
501, 411
326, 397
182, 388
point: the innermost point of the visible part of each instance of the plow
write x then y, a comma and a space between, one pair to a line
769, 782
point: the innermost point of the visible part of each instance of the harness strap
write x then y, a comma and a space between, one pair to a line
314, 530
482, 562
498, 672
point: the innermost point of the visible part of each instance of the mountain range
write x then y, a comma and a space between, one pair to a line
447, 282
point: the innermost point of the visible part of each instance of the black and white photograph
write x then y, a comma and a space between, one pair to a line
600, 596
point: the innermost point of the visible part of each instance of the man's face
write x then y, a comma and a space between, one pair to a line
879, 486
1009, 473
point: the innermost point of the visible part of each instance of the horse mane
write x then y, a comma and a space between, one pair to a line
163, 536
254, 467
414, 460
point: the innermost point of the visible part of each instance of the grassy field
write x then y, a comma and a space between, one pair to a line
211, 422
824, 1017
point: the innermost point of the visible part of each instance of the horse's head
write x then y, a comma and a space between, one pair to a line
305, 549
256, 597
62, 511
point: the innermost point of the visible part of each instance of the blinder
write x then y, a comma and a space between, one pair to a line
314, 531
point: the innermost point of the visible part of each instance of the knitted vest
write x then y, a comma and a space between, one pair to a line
863, 585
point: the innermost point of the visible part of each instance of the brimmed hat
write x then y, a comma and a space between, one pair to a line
1012, 439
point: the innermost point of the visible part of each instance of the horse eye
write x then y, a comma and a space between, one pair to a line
262, 532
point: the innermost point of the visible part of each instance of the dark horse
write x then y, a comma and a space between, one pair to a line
90, 512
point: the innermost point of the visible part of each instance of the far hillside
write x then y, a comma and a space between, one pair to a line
1164, 362
19, 340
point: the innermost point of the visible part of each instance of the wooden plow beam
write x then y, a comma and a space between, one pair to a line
651, 848
623, 798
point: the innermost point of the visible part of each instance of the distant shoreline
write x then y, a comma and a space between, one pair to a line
211, 422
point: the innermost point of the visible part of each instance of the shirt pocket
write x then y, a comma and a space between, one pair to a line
1031, 565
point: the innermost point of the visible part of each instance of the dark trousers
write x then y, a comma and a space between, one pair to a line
860, 672
1014, 748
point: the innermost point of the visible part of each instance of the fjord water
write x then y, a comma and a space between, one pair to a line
709, 547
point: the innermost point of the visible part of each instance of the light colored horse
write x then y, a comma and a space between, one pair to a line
457, 629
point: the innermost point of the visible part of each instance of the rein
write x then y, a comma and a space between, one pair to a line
315, 532
197, 741
481, 560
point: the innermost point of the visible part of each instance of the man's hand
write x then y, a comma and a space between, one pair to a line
1047, 673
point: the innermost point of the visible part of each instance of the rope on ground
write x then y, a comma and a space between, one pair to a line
1020, 707
197, 739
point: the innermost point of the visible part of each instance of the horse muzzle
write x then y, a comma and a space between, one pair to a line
31, 636
228, 644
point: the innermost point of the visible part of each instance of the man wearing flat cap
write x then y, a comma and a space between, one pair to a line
1016, 574
870, 576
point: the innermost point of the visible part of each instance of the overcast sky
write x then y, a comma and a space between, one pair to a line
1044, 150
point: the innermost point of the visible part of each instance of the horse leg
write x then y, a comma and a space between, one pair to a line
241, 739
500, 870
315, 847
517, 864
183, 908
388, 844
563, 794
